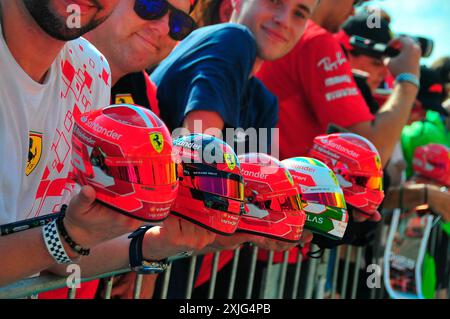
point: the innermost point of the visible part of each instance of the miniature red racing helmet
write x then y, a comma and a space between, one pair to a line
432, 161
211, 192
357, 165
125, 152
273, 202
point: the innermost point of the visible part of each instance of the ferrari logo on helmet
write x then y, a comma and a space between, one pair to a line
157, 141
230, 159
34, 152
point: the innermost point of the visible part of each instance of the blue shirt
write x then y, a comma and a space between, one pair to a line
211, 71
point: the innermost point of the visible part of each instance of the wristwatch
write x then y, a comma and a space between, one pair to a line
137, 261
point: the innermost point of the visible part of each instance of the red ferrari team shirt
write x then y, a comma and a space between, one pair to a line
315, 87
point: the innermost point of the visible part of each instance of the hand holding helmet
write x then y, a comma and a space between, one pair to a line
173, 237
90, 223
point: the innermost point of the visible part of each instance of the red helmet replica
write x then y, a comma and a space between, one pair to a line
357, 165
125, 152
211, 192
432, 161
322, 197
273, 202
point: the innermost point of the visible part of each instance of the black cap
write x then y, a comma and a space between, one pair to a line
442, 66
359, 25
431, 93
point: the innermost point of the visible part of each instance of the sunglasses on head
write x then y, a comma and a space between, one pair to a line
180, 23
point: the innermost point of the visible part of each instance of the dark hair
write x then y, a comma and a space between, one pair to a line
206, 12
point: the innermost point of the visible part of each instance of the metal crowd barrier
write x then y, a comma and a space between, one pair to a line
335, 275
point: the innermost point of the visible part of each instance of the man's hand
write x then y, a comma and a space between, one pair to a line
90, 223
439, 201
408, 61
175, 236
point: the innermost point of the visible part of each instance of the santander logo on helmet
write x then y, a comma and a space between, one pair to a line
113, 152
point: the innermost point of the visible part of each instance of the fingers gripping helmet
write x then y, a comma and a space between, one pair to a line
211, 190
357, 165
125, 152
322, 197
273, 203
432, 161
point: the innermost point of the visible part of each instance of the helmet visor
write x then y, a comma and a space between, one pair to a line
282, 203
219, 203
144, 171
327, 199
216, 182
373, 182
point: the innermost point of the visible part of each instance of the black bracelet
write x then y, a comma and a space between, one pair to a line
63, 232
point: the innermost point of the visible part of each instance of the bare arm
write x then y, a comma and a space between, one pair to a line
87, 222
414, 196
204, 122
385, 131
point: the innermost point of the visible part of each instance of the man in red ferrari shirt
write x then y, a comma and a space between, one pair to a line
315, 87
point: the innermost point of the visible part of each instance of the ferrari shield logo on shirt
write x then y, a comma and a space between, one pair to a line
124, 99
34, 152
157, 141
230, 160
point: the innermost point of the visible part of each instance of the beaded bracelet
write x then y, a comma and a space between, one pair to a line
63, 232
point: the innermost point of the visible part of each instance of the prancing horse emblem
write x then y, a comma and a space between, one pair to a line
157, 141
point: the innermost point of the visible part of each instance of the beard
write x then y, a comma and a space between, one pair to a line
57, 26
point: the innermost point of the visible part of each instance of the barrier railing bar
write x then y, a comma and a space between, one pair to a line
298, 270
311, 274
212, 282
190, 280
138, 286
233, 273
346, 271
166, 282
321, 275
36, 285
265, 281
251, 275
335, 272
359, 252
283, 274
109, 286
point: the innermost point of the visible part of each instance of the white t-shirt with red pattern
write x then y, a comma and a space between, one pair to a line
36, 122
